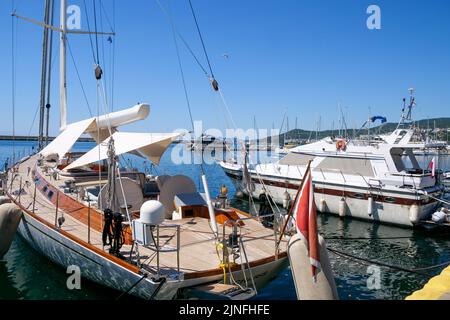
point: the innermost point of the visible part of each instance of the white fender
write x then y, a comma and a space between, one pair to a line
414, 213
10, 215
4, 199
342, 207
370, 206
323, 205
324, 288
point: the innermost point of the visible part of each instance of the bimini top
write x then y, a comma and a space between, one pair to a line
99, 128
150, 145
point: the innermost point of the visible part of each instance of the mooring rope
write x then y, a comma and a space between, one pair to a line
378, 263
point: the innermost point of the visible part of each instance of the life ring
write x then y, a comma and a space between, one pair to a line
341, 145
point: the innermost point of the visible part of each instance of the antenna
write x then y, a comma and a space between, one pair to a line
408, 116
411, 104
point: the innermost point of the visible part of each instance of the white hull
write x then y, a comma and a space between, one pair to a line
392, 213
66, 252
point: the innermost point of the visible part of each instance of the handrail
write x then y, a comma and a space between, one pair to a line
235, 224
159, 249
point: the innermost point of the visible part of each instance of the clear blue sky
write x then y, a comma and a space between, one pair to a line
301, 56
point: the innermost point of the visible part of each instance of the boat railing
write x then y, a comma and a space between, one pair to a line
234, 224
245, 263
165, 248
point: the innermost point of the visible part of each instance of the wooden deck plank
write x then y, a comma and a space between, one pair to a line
197, 241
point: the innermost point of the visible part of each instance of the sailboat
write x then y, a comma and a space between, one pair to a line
154, 237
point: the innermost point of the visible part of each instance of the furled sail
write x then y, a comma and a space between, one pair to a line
94, 126
65, 141
151, 145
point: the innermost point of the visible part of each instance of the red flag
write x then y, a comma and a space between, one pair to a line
432, 166
306, 222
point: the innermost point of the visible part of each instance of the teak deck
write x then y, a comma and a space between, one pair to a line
198, 252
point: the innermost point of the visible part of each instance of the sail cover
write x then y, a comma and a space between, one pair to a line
151, 145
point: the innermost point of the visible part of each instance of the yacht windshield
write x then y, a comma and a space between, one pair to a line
405, 161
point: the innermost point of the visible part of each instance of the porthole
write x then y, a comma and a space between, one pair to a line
390, 199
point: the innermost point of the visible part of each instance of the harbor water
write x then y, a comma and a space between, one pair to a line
25, 274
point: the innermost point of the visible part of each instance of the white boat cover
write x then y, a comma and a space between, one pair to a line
151, 145
65, 141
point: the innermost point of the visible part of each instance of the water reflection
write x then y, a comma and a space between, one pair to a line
24, 274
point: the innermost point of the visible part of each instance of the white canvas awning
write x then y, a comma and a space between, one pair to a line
95, 126
151, 145
65, 141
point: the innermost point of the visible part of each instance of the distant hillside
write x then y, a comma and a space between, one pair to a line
438, 123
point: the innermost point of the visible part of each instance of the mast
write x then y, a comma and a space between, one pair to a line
49, 74
43, 77
62, 68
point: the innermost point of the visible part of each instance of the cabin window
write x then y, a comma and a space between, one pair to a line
347, 166
50, 195
405, 161
358, 196
401, 134
296, 159
44, 189
188, 213
390, 199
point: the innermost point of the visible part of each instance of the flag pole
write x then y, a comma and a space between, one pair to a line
308, 168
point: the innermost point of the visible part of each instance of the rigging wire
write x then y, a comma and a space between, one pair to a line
112, 54
49, 75
201, 38
180, 65
103, 49
190, 50
182, 75
14, 32
170, 20
96, 34
89, 30
113, 25
79, 77
34, 120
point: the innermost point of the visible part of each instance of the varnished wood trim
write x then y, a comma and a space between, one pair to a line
82, 243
